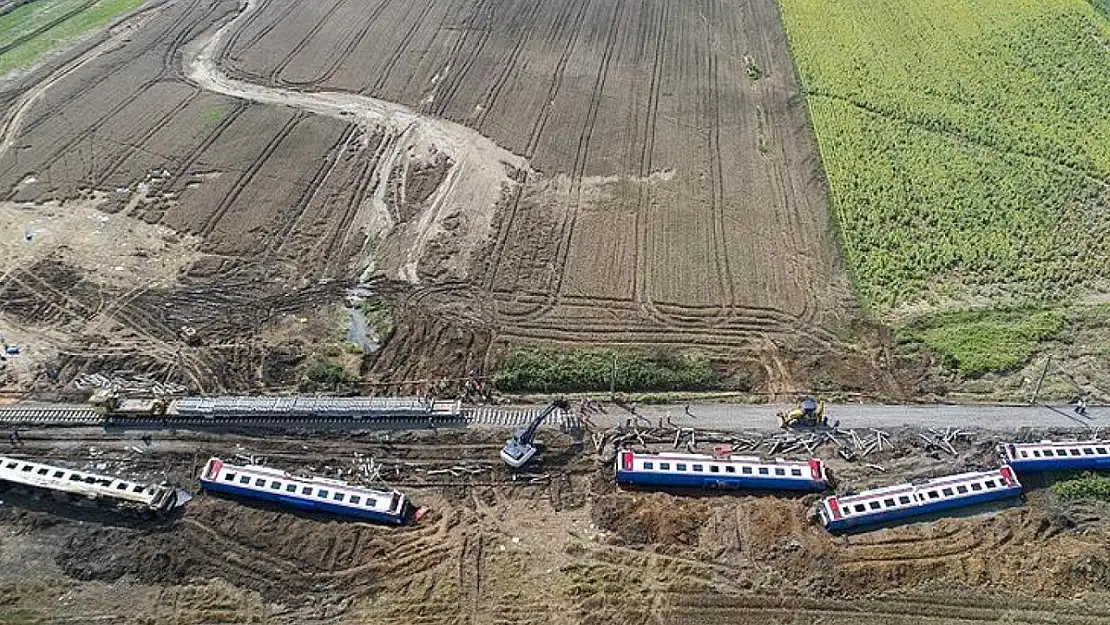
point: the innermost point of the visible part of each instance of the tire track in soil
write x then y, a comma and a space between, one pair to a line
527, 25
245, 177
383, 75
190, 159
233, 41
350, 46
556, 79
457, 78
338, 240
535, 135
574, 195
280, 238
275, 75
134, 146
114, 42
140, 91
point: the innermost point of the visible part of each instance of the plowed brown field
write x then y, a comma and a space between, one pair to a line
580, 172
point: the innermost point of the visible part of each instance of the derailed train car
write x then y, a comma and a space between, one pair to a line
903, 501
314, 494
123, 494
723, 471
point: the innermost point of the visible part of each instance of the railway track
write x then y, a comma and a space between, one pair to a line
475, 417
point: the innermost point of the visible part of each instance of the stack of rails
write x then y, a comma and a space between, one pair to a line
1054, 456
123, 493
312, 407
894, 503
314, 494
720, 472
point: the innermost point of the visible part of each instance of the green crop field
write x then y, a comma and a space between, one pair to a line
30, 31
965, 144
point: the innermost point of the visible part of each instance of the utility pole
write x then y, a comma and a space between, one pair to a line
1040, 380
613, 380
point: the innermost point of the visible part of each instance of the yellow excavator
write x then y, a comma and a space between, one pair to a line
811, 414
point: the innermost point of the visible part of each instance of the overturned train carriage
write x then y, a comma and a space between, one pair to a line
124, 494
720, 472
903, 501
314, 494
1056, 456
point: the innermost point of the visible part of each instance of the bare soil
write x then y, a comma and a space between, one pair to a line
580, 172
564, 547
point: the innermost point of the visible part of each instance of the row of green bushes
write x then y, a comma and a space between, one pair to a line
547, 370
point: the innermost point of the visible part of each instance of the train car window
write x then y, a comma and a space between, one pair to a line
138, 488
764, 471
796, 472
1036, 453
229, 477
1023, 453
1101, 450
323, 494
780, 471
746, 470
933, 494
961, 489
874, 505
975, 486
648, 466
1061, 452
26, 468
730, 469
275, 485
1074, 452
947, 492
903, 500
260, 482
860, 508
290, 488
699, 468
371, 503
355, 499
1087, 451
245, 479
10, 465
714, 468
43, 471
989, 484
338, 497
888, 503
307, 490
680, 467
664, 466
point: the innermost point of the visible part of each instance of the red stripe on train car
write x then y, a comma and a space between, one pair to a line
214, 467
1007, 475
815, 468
626, 460
834, 507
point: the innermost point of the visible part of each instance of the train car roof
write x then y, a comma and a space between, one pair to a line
671, 455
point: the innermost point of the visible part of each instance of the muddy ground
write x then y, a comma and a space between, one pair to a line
563, 545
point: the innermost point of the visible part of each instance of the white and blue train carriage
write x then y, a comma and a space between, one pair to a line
1056, 456
895, 503
313, 494
720, 472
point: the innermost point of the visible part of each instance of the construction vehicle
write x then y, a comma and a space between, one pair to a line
811, 414
519, 449
109, 402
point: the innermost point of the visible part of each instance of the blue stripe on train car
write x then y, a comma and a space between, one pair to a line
306, 504
649, 478
864, 520
1067, 463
